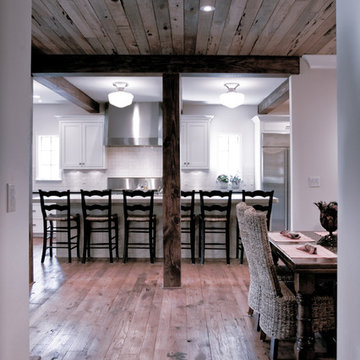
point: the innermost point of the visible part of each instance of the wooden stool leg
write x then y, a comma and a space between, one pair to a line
126, 242
237, 240
110, 242
227, 245
117, 238
78, 238
86, 234
192, 241
151, 245
51, 238
44, 243
69, 243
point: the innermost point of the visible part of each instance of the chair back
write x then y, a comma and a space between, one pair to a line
254, 295
267, 208
210, 207
138, 203
55, 211
188, 208
255, 232
96, 204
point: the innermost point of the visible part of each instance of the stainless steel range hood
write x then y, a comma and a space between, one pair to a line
139, 124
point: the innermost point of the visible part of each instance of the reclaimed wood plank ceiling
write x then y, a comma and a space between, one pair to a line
179, 27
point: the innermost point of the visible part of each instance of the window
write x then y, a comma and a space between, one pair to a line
48, 158
229, 154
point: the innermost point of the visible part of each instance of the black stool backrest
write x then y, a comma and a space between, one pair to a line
91, 207
188, 209
145, 206
207, 206
264, 194
49, 208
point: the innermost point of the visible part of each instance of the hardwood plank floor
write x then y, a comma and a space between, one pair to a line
117, 311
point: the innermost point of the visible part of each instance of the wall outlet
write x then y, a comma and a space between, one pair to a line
314, 181
11, 201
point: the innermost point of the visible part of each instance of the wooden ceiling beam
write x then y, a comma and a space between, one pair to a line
70, 92
276, 98
67, 65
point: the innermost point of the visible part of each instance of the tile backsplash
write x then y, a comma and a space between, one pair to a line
127, 162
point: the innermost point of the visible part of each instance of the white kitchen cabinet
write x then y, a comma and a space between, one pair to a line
82, 144
37, 220
194, 142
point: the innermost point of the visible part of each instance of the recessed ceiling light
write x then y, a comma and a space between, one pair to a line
207, 8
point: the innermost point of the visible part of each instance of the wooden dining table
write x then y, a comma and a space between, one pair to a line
308, 269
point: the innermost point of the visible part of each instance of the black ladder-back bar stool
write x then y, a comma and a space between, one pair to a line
57, 218
139, 217
188, 221
269, 195
214, 218
98, 218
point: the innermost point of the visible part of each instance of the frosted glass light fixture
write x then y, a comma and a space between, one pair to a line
120, 98
231, 98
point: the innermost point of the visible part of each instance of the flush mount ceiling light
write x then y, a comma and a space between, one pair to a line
120, 98
207, 8
231, 98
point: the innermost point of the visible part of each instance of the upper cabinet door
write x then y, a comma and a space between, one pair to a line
70, 143
195, 142
93, 148
82, 145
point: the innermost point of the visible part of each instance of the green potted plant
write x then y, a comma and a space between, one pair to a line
223, 181
235, 181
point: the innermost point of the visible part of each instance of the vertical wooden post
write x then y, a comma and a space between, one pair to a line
171, 181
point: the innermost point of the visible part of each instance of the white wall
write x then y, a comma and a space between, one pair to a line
313, 113
15, 150
348, 50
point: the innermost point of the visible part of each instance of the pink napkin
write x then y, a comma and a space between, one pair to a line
290, 234
309, 248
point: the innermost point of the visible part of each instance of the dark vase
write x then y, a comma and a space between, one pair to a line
328, 220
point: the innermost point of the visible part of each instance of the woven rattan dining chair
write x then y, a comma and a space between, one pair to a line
254, 295
278, 305
215, 209
188, 221
98, 218
57, 218
267, 208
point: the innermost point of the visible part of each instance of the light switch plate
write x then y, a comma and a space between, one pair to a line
314, 181
11, 201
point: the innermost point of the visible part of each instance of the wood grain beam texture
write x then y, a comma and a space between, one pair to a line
171, 181
70, 92
65, 65
276, 98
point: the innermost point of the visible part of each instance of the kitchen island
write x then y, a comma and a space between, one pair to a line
117, 201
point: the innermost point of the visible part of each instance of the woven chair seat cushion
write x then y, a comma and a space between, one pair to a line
54, 217
278, 314
215, 218
99, 218
140, 218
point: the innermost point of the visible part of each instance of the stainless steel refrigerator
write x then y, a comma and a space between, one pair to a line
275, 176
